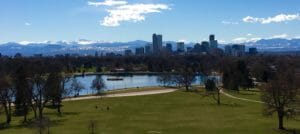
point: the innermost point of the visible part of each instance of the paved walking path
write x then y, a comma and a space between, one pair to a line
238, 98
138, 93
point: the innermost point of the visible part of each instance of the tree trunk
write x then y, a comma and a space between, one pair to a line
25, 112
34, 111
58, 107
8, 118
280, 120
40, 112
186, 87
219, 101
9, 112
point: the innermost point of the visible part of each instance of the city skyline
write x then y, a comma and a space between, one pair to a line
128, 20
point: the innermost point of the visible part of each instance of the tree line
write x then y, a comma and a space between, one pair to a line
32, 83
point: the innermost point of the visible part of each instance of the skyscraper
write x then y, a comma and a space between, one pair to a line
213, 42
157, 43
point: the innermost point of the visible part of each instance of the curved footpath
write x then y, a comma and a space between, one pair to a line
138, 93
238, 98
151, 92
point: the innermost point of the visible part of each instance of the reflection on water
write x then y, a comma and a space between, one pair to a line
132, 81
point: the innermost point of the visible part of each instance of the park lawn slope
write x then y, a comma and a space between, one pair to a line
172, 113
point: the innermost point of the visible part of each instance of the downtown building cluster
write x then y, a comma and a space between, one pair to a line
205, 47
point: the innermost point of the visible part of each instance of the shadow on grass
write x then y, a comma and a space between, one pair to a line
4, 126
289, 131
31, 122
63, 114
53, 107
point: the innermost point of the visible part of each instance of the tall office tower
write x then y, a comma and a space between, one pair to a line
148, 49
213, 42
211, 37
157, 43
180, 47
169, 47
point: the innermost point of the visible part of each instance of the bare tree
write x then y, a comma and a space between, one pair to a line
76, 86
98, 84
186, 77
165, 79
7, 93
280, 94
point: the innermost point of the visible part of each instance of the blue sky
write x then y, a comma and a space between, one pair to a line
127, 20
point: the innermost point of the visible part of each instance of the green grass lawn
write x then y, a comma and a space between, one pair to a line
173, 113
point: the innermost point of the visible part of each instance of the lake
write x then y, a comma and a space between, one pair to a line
129, 81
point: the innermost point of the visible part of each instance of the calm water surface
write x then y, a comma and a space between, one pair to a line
132, 81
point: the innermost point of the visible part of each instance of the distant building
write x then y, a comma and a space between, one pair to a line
213, 42
235, 50
180, 47
228, 49
96, 54
169, 47
253, 51
189, 50
128, 52
140, 51
204, 46
157, 43
148, 49
238, 50
197, 48
38, 55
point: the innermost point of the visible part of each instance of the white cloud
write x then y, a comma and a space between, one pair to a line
229, 23
245, 39
107, 3
280, 36
222, 41
249, 34
131, 13
240, 40
33, 42
27, 24
275, 19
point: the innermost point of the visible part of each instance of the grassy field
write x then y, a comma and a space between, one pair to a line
173, 113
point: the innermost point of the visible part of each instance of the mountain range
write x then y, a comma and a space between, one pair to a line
87, 47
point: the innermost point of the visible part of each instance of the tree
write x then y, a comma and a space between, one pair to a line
23, 96
98, 84
7, 93
236, 75
212, 89
280, 95
186, 77
76, 86
55, 89
39, 80
165, 79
